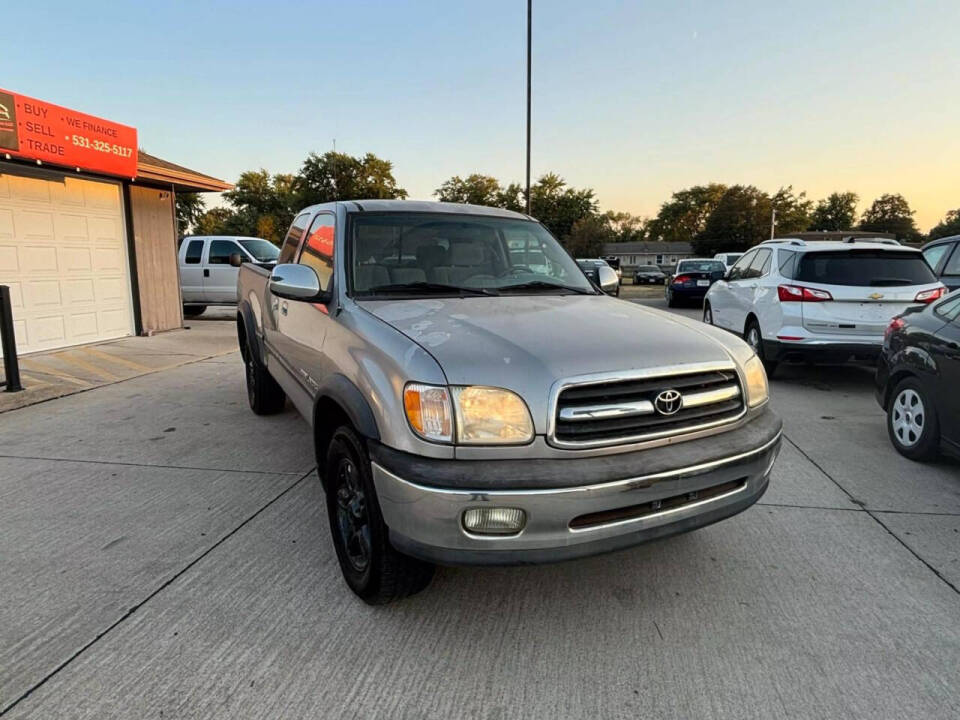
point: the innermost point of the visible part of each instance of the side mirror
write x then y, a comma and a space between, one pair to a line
294, 282
236, 259
607, 278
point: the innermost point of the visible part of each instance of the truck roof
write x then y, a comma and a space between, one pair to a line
419, 206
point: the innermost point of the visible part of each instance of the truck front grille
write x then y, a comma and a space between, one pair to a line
617, 411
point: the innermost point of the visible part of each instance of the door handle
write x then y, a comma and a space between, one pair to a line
283, 309
206, 272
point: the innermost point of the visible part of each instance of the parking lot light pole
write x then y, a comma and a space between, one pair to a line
529, 42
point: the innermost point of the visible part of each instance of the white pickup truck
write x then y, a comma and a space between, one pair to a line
206, 275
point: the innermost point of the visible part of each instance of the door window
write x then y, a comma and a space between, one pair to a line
292, 241
953, 264
934, 255
949, 310
221, 250
317, 251
194, 252
760, 263
739, 271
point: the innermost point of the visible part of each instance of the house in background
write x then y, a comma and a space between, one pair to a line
632, 254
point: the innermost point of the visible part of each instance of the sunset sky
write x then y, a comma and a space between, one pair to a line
635, 100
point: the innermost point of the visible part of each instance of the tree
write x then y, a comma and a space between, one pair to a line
479, 189
190, 207
214, 221
950, 225
838, 211
263, 205
740, 220
588, 236
338, 176
626, 227
683, 217
891, 214
793, 211
558, 206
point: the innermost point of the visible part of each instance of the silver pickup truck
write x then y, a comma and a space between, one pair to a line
475, 400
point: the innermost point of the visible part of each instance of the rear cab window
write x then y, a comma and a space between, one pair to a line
194, 252
865, 268
292, 241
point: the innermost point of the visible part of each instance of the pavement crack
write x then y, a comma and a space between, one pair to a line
150, 465
872, 514
169, 581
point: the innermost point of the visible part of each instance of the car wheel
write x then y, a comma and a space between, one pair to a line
373, 569
193, 310
912, 421
265, 396
707, 314
754, 339
671, 301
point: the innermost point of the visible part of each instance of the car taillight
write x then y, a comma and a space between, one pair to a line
895, 324
796, 293
681, 279
928, 296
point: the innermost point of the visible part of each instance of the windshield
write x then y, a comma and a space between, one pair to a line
707, 266
648, 268
261, 250
441, 253
865, 268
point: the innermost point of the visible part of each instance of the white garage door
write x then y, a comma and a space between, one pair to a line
64, 255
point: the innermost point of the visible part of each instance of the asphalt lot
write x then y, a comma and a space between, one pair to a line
165, 553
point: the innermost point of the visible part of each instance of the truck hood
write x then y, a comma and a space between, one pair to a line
527, 342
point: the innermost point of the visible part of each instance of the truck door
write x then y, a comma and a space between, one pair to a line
302, 326
271, 311
191, 270
219, 276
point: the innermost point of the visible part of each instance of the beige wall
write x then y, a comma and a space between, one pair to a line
155, 240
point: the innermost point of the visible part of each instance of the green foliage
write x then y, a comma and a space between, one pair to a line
793, 211
559, 207
214, 221
838, 211
338, 176
627, 227
950, 225
685, 214
190, 207
263, 205
891, 214
739, 221
479, 189
588, 235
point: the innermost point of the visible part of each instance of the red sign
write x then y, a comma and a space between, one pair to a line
37, 130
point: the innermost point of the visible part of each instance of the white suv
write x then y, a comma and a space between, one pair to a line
819, 301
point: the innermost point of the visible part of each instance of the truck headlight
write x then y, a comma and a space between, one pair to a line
755, 379
428, 411
491, 416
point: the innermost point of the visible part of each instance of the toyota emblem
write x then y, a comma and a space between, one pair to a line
668, 402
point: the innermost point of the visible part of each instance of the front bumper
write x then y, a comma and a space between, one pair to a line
573, 521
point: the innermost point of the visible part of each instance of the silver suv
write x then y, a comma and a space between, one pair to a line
819, 301
474, 399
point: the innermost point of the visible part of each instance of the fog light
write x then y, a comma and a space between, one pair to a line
494, 520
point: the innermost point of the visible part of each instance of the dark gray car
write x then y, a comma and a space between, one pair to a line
472, 407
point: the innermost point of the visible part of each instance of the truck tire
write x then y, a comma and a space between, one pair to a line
266, 397
373, 569
193, 310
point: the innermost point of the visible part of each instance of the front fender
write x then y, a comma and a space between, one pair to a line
344, 393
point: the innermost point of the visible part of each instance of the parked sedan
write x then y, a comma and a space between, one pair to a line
692, 280
918, 379
648, 275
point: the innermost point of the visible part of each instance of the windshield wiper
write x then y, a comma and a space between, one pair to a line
421, 288
542, 285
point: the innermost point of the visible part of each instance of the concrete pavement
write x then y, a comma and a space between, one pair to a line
165, 553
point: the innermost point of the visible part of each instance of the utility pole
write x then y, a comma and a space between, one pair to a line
773, 222
529, 63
